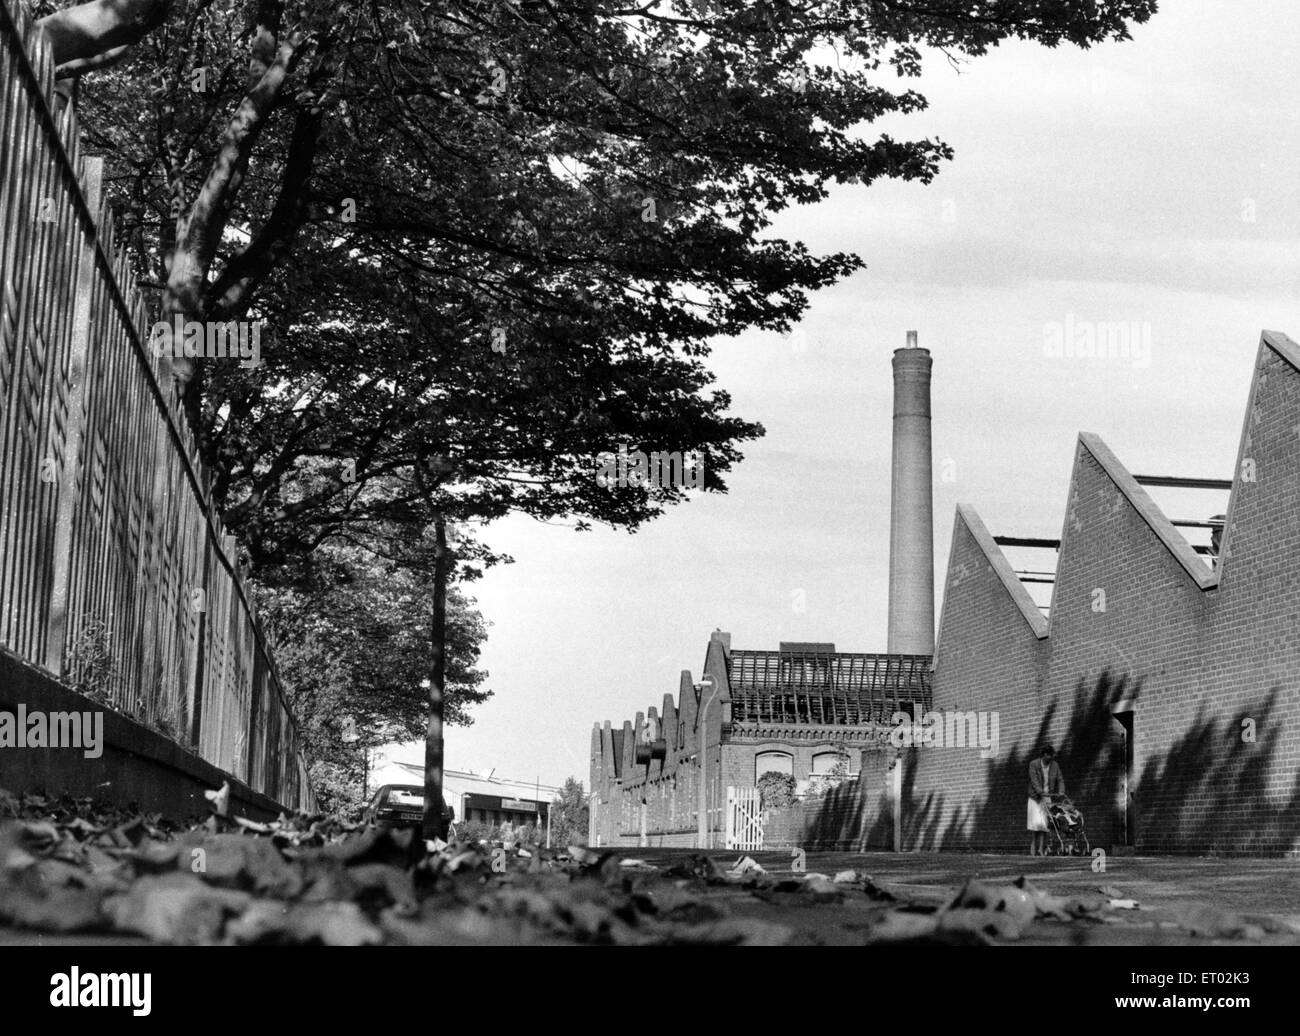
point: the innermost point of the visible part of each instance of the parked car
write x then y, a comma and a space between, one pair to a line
400, 805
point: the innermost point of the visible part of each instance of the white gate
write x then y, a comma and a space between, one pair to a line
744, 819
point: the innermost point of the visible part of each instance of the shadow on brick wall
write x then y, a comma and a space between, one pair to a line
1210, 791
1207, 793
1091, 759
854, 816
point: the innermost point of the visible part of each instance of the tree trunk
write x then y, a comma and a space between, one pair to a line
87, 30
434, 827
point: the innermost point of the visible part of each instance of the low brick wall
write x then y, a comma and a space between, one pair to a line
664, 840
139, 766
856, 816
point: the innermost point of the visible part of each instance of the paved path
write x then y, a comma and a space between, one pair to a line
1179, 896
1173, 891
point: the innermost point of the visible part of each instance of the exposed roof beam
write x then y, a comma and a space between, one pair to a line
1183, 483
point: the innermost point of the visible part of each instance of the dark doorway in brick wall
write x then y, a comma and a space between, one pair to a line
1126, 825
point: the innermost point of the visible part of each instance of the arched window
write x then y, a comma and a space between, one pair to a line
825, 762
768, 762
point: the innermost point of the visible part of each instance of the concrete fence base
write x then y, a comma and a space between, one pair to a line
138, 766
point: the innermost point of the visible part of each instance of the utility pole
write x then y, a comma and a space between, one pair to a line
703, 834
433, 826
350, 736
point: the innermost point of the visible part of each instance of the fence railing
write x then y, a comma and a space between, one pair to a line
744, 819
115, 573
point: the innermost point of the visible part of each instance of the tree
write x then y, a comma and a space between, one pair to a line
569, 815
352, 631
590, 183
492, 239
496, 232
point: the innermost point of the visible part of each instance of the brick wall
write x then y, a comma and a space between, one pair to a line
676, 840
856, 815
1211, 787
988, 658
802, 744
1142, 633
1143, 647
669, 788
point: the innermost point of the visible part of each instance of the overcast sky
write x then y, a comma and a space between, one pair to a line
1153, 182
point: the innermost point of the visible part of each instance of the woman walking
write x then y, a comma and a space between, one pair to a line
1045, 780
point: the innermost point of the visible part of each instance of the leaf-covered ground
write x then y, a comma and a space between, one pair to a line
69, 868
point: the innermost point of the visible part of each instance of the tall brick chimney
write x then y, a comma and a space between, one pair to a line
911, 519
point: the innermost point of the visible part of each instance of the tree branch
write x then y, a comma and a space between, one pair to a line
89, 30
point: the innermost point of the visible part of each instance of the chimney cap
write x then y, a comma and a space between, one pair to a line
912, 352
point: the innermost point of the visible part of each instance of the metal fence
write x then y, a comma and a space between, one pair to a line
115, 573
744, 819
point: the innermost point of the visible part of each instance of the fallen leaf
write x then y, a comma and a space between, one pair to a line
987, 923
130, 834
391, 883
584, 856
1210, 921
219, 801
1046, 904
63, 909
822, 889
40, 837
902, 926
175, 908
1017, 902
733, 931
331, 924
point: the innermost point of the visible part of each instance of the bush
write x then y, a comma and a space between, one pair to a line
775, 789
474, 831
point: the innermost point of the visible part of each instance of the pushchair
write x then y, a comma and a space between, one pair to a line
1067, 834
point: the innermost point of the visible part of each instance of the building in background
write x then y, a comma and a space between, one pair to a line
1165, 672
801, 710
485, 798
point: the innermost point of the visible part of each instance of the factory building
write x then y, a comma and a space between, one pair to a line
803, 710
1163, 665
1166, 674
